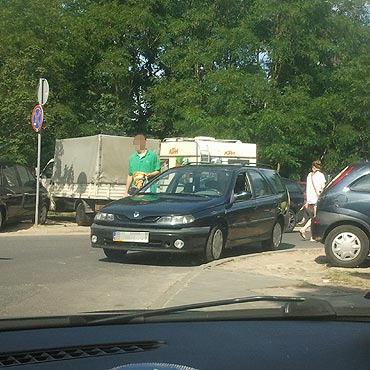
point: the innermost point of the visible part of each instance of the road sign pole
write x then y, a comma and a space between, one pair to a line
36, 121
38, 179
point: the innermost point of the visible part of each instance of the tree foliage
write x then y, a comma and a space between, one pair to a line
289, 75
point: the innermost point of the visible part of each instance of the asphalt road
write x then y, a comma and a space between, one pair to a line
62, 274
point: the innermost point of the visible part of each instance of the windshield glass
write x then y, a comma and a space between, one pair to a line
156, 153
190, 181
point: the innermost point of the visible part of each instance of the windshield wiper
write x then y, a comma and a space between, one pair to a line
316, 308
193, 194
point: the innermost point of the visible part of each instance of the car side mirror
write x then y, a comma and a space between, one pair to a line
243, 195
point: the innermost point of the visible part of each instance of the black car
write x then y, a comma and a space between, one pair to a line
296, 209
196, 208
343, 216
18, 194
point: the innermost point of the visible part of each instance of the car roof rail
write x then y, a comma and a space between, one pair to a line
240, 164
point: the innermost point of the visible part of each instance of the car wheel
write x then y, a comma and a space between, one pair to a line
291, 221
1, 219
274, 242
82, 219
43, 214
215, 244
302, 217
114, 254
346, 246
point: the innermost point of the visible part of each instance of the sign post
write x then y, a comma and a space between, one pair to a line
36, 122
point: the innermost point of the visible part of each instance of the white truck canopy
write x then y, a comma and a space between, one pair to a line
94, 159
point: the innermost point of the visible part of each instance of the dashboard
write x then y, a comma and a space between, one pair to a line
203, 345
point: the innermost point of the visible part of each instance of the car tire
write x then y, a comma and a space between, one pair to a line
292, 221
114, 254
346, 246
43, 213
82, 219
214, 245
1, 218
274, 242
302, 217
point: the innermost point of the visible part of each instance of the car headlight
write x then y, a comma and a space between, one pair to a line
176, 220
102, 216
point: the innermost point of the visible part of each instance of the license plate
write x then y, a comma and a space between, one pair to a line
131, 236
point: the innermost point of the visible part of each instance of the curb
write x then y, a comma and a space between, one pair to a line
179, 285
46, 230
257, 254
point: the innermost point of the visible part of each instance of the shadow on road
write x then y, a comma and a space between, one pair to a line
186, 260
157, 259
322, 260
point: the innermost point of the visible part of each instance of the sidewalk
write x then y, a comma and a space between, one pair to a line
53, 226
295, 272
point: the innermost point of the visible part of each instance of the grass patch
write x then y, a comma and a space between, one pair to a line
346, 277
62, 215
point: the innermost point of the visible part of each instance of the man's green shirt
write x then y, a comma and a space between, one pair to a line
147, 164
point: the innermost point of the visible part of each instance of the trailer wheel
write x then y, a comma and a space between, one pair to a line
82, 219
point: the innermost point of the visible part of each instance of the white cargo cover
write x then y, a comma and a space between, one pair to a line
99, 159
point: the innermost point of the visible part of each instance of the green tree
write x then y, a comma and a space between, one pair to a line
289, 75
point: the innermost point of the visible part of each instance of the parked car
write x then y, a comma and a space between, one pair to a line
343, 216
296, 210
196, 208
18, 194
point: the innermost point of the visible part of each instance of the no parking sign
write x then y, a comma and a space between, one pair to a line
37, 118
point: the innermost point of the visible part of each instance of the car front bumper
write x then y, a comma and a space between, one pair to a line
160, 240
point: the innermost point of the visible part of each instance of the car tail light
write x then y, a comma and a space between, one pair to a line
315, 220
340, 176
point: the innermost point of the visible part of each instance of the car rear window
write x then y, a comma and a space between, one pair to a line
260, 185
292, 187
274, 179
10, 177
362, 184
25, 176
341, 175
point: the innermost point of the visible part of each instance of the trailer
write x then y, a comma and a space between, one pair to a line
203, 149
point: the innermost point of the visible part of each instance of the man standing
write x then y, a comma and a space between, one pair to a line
142, 165
315, 184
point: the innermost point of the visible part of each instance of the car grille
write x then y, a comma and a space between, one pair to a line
123, 218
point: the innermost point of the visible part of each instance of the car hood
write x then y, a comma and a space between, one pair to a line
146, 205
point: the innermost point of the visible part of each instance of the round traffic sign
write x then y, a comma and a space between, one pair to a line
37, 117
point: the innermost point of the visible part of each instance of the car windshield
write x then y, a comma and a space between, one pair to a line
211, 182
159, 153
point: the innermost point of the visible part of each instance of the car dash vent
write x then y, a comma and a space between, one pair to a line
78, 352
